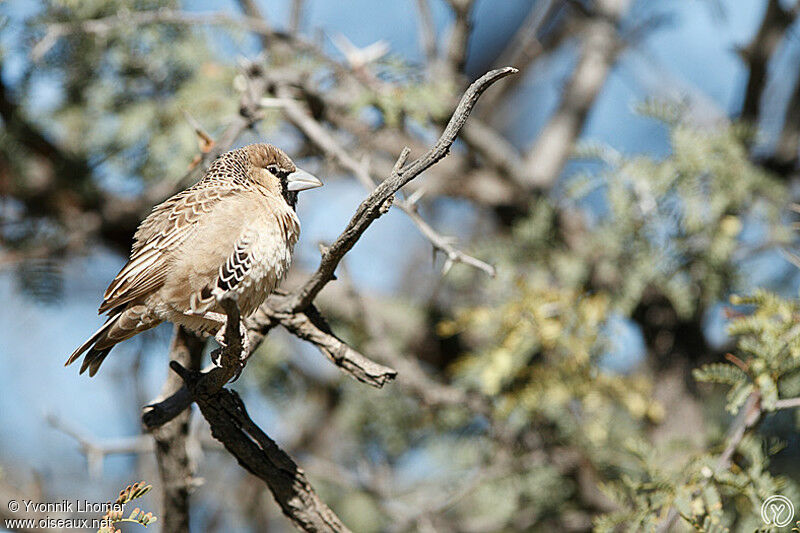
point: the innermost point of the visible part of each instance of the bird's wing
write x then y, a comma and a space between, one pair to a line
169, 225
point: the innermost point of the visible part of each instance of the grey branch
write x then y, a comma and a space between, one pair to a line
372, 207
789, 403
427, 30
600, 48
308, 325
311, 326
262, 457
173, 440
455, 51
255, 451
96, 451
323, 140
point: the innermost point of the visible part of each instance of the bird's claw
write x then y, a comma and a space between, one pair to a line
221, 294
244, 354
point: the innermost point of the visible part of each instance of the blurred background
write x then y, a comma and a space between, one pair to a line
633, 187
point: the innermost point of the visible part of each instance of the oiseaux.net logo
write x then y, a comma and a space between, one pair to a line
777, 511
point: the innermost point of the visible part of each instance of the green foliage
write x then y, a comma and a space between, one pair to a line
768, 340
125, 91
645, 226
704, 489
541, 354
707, 495
626, 231
642, 227
116, 513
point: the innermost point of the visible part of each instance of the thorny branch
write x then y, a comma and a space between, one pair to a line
323, 140
372, 207
255, 451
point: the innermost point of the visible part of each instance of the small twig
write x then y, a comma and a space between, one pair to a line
309, 326
738, 362
95, 450
455, 52
789, 403
296, 16
205, 140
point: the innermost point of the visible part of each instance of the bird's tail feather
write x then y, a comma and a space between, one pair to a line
95, 354
93, 339
122, 325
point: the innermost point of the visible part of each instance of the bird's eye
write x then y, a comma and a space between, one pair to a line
277, 171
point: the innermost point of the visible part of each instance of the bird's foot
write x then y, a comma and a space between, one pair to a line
243, 355
222, 294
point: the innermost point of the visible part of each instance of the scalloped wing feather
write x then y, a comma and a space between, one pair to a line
168, 225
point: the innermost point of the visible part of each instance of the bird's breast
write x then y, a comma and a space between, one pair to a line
272, 249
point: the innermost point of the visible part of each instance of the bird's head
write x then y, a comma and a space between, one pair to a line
274, 170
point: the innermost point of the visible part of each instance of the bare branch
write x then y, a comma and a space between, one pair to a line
427, 30
458, 41
600, 47
311, 326
789, 403
787, 151
308, 325
96, 451
495, 149
296, 16
758, 53
370, 208
251, 9
255, 451
522, 50
321, 138
172, 440
261, 456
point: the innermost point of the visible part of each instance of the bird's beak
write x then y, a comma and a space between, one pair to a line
300, 180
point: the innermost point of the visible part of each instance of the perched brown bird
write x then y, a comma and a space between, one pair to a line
231, 233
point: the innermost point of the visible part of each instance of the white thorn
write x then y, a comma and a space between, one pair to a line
448, 264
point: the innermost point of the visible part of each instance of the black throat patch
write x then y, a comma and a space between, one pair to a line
289, 196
